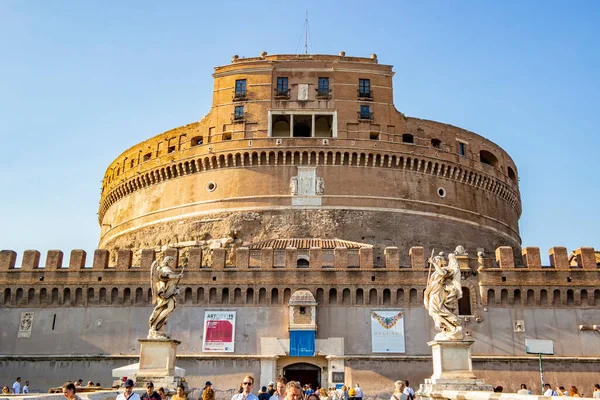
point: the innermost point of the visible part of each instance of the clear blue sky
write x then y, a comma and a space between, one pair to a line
81, 81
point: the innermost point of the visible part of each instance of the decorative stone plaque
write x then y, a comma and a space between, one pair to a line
306, 188
303, 92
25, 325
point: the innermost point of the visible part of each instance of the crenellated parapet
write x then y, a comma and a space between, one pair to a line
347, 273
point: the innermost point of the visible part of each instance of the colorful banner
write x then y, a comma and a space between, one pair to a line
219, 331
387, 331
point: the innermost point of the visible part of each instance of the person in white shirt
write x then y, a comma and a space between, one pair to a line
409, 391
128, 393
17, 386
596, 394
548, 391
279, 389
246, 394
524, 389
26, 387
359, 392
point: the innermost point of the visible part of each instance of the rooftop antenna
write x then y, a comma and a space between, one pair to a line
306, 36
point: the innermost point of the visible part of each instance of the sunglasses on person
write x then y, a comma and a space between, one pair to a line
247, 383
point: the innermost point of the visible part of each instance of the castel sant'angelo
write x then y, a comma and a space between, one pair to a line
304, 201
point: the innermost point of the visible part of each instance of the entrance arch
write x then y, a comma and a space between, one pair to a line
303, 373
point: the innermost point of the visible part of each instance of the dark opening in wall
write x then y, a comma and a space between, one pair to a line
437, 143
408, 138
488, 158
464, 304
226, 135
374, 136
147, 156
511, 174
197, 140
171, 149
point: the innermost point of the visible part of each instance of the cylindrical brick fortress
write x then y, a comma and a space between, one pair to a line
311, 146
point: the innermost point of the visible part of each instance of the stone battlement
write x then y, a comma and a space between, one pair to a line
316, 258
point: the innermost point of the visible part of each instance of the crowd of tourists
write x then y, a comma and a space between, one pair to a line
280, 390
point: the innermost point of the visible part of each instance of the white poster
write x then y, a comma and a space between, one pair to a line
387, 331
219, 331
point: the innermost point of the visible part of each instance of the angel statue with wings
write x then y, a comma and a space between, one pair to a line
443, 291
164, 283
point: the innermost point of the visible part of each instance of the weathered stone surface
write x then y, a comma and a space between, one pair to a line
559, 257
31, 260
531, 257
505, 257
101, 257
54, 259
77, 259
392, 258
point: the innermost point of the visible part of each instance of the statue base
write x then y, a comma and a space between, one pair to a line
157, 363
452, 370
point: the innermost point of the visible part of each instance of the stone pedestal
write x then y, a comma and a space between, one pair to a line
452, 369
157, 363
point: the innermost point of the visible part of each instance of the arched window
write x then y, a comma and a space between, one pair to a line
464, 304
400, 297
491, 300
373, 297
187, 297
488, 158
332, 296
262, 296
200, 296
320, 297
360, 297
212, 296
511, 174
274, 296
225, 296
346, 297
250, 296
197, 140
387, 297
237, 296
302, 263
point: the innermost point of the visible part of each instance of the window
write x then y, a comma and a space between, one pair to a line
171, 149
488, 158
323, 88
462, 148
282, 86
408, 138
365, 112
436, 143
239, 113
240, 88
364, 88
374, 136
147, 156
197, 140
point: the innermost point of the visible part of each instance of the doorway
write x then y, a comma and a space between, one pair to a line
303, 373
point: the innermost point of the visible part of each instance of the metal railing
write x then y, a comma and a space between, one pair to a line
365, 116
323, 93
239, 96
282, 93
365, 94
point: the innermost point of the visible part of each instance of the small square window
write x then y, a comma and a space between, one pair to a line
364, 88
302, 310
240, 88
323, 88
147, 156
374, 136
171, 149
282, 87
226, 135
365, 112
239, 112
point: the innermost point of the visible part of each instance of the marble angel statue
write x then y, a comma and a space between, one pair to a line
441, 297
164, 283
